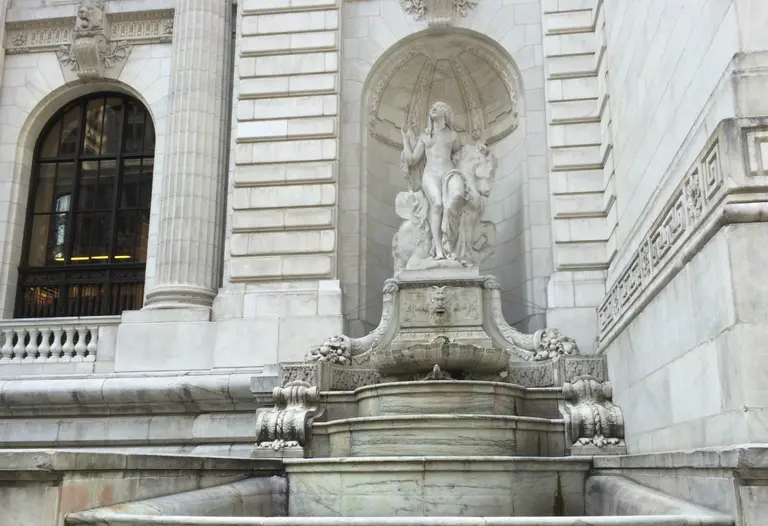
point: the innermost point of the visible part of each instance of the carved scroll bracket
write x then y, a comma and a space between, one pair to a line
92, 52
287, 424
545, 344
343, 350
593, 425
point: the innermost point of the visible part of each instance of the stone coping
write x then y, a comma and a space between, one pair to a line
447, 463
746, 456
528, 393
437, 386
452, 421
94, 395
102, 518
40, 460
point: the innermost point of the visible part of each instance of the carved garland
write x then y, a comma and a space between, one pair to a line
544, 344
421, 9
700, 189
343, 350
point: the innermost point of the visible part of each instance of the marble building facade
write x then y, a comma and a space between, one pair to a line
628, 203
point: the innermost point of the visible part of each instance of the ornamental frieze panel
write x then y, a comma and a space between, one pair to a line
701, 188
756, 141
37, 36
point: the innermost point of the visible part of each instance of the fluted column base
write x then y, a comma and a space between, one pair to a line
179, 296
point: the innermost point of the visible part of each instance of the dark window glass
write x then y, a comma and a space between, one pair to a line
86, 239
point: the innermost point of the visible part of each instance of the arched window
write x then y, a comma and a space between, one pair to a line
85, 243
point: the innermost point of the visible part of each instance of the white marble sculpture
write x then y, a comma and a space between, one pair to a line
449, 185
91, 52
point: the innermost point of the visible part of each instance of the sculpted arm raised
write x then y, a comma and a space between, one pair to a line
413, 148
412, 159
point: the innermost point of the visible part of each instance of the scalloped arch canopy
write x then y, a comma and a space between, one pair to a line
478, 81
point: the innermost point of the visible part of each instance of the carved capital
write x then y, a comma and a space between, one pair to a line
91, 52
591, 419
287, 424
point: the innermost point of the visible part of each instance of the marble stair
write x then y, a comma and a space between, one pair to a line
246, 502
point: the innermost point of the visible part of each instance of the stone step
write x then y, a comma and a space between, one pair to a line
122, 519
266, 501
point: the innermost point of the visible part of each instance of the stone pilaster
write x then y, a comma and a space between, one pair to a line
188, 259
3, 10
280, 273
581, 166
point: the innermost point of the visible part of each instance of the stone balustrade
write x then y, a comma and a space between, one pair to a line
52, 340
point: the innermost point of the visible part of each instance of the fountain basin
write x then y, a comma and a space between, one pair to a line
440, 397
451, 357
436, 486
388, 436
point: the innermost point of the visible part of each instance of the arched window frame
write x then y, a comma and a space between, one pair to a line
89, 285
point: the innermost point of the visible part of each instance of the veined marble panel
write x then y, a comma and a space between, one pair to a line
434, 487
390, 436
439, 397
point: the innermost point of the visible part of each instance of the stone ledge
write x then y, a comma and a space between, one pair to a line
40, 460
110, 395
447, 463
748, 456
613, 495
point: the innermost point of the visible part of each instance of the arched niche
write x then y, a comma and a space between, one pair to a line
480, 81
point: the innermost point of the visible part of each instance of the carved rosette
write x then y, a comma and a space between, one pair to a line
287, 424
591, 419
91, 53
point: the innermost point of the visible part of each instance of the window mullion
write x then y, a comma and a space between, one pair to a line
60, 277
115, 201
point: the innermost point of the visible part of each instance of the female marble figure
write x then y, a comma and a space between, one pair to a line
455, 180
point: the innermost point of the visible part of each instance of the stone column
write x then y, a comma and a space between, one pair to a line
188, 257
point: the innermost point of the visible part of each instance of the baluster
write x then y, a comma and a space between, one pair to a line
45, 344
93, 345
80, 346
32, 347
18, 349
56, 347
69, 345
6, 352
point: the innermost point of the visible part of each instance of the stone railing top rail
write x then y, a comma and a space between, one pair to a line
89, 321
